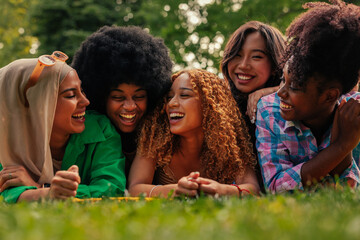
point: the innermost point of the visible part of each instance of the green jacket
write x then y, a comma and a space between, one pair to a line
98, 154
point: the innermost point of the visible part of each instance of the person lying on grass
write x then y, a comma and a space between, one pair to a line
44, 133
196, 142
125, 72
251, 65
309, 131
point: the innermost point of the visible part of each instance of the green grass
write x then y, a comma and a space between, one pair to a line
326, 214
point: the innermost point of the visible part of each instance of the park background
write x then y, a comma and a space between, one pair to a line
195, 33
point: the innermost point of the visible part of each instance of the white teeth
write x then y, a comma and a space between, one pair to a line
285, 106
80, 115
128, 116
242, 77
173, 115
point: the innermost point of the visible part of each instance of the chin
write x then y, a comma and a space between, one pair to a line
126, 129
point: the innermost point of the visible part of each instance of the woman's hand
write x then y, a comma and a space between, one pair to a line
346, 126
254, 98
65, 183
187, 185
193, 184
211, 187
15, 176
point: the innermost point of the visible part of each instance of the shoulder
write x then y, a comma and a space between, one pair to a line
268, 114
352, 94
269, 105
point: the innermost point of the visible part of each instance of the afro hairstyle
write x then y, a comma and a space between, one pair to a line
325, 41
115, 55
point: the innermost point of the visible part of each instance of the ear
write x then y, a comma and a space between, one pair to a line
331, 95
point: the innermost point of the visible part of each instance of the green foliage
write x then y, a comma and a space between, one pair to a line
194, 30
15, 39
326, 214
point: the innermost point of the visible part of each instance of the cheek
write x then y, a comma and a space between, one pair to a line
142, 106
231, 66
111, 107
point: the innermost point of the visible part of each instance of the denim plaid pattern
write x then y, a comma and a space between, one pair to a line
284, 146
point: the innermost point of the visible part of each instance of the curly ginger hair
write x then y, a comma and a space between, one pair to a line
227, 148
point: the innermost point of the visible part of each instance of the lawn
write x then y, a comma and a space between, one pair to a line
325, 214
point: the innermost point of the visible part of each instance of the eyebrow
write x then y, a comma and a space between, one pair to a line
119, 90
256, 50
259, 50
67, 90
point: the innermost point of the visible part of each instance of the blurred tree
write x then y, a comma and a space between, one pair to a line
195, 30
15, 39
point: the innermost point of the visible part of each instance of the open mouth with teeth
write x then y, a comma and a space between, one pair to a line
129, 118
284, 106
176, 116
244, 77
79, 116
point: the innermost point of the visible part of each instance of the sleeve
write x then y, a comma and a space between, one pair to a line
107, 177
352, 172
278, 171
11, 195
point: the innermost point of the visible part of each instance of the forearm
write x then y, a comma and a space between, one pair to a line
269, 90
326, 161
342, 166
34, 194
156, 190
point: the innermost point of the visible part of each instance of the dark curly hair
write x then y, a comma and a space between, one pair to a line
115, 55
226, 149
325, 40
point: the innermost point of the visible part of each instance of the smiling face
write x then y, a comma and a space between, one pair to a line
70, 108
305, 104
250, 69
125, 106
184, 107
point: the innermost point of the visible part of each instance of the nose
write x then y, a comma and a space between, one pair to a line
84, 101
129, 105
244, 63
282, 92
173, 102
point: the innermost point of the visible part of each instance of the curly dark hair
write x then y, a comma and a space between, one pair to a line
115, 55
226, 149
325, 40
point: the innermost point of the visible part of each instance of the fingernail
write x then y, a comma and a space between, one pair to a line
253, 120
254, 110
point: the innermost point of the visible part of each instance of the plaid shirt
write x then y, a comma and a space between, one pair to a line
284, 146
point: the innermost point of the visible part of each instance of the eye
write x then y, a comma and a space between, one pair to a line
139, 97
70, 94
117, 98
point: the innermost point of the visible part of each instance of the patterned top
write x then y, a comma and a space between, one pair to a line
284, 146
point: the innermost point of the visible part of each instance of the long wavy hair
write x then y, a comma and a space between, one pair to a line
227, 148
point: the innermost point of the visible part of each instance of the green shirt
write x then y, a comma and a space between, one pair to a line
98, 154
